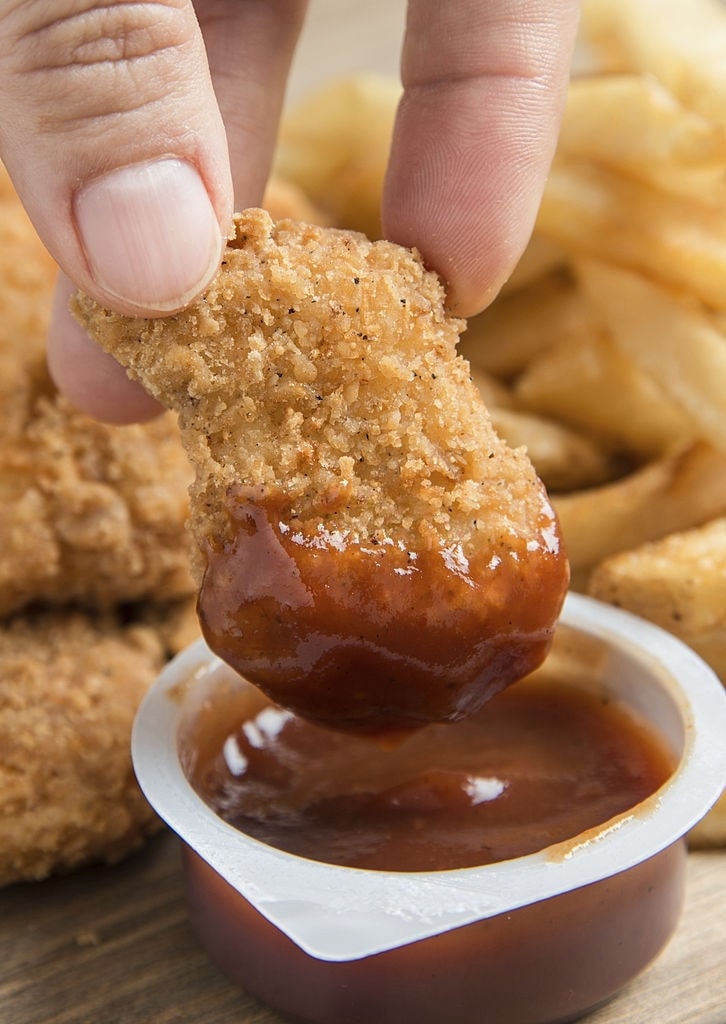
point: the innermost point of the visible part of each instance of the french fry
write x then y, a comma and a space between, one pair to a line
335, 145
669, 337
285, 199
681, 43
539, 258
565, 459
604, 49
590, 383
506, 336
494, 393
674, 493
678, 582
592, 210
633, 123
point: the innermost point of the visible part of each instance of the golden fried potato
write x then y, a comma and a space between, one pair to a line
673, 493
680, 44
669, 337
334, 145
565, 459
591, 383
540, 258
519, 325
347, 469
284, 199
594, 211
494, 392
678, 582
634, 124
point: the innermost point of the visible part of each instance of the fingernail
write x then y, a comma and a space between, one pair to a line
150, 234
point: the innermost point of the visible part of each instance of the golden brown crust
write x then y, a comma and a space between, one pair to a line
70, 684
92, 514
88, 512
369, 550
324, 365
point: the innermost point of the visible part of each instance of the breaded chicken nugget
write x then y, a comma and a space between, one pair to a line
70, 684
91, 512
88, 511
370, 553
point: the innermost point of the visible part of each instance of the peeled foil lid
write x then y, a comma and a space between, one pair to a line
335, 913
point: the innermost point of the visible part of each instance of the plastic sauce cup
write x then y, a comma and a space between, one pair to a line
536, 939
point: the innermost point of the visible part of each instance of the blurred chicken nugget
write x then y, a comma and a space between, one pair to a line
89, 512
70, 683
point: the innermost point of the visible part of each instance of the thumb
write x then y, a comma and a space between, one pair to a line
110, 129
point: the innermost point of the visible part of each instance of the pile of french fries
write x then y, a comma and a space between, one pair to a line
605, 354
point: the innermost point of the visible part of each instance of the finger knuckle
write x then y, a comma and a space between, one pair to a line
90, 59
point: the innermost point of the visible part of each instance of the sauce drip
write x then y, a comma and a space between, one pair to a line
542, 763
369, 636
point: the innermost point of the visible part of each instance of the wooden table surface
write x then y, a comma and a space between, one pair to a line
114, 946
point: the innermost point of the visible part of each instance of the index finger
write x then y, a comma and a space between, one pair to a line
484, 88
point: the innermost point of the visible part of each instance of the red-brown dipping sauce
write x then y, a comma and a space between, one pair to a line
369, 636
541, 763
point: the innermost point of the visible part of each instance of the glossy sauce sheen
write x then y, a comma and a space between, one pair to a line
367, 636
542, 763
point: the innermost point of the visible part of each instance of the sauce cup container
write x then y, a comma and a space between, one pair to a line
537, 939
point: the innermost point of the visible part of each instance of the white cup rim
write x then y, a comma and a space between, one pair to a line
338, 913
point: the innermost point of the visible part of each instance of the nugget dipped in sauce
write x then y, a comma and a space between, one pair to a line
369, 552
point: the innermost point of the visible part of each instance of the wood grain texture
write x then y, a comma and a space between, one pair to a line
114, 946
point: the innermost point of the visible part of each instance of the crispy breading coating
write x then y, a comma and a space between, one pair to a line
70, 683
319, 377
88, 511
91, 512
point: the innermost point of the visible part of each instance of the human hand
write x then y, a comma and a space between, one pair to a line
112, 126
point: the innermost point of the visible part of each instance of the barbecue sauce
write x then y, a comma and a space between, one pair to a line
366, 635
542, 763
